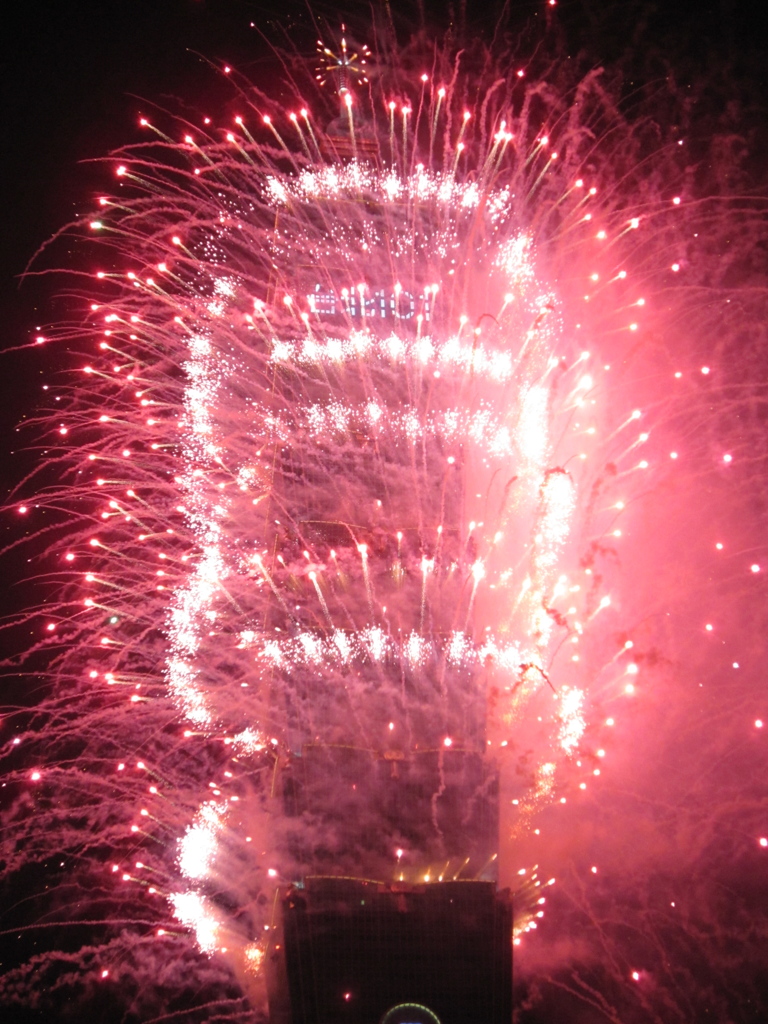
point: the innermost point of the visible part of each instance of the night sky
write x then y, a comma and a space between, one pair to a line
76, 76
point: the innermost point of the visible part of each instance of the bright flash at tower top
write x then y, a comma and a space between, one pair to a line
343, 66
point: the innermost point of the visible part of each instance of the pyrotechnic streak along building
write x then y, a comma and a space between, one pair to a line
433, 944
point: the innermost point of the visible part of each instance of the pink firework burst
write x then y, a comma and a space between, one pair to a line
373, 471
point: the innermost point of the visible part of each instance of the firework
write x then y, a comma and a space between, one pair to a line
355, 448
